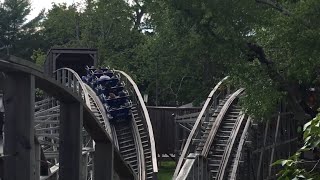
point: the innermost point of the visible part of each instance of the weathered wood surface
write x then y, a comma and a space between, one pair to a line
165, 128
19, 144
93, 127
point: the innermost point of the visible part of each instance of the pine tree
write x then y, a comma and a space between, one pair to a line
16, 31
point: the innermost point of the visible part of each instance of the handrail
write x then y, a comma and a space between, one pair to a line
239, 150
195, 127
147, 119
217, 122
79, 80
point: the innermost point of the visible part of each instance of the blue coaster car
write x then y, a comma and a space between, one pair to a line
109, 82
88, 78
120, 114
93, 82
110, 91
99, 90
103, 98
117, 90
117, 102
100, 72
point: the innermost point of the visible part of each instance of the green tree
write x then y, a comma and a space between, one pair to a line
61, 25
39, 57
254, 41
106, 25
17, 33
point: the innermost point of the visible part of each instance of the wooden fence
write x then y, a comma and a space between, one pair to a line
165, 128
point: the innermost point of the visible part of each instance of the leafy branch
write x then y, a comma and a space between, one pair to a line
293, 167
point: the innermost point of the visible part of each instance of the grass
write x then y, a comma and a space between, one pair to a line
166, 170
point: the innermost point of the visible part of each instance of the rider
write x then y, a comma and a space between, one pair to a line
104, 76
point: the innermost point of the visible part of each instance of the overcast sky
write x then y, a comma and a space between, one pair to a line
37, 5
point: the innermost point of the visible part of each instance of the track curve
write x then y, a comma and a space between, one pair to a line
66, 93
216, 153
195, 130
144, 127
134, 140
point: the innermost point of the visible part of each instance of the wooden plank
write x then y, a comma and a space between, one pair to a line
264, 144
59, 80
64, 80
275, 141
37, 160
70, 141
69, 79
84, 166
74, 80
19, 127
217, 122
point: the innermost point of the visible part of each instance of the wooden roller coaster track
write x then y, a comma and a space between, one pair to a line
56, 126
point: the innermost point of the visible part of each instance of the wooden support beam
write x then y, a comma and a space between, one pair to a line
103, 161
84, 166
262, 152
19, 148
37, 160
70, 140
273, 148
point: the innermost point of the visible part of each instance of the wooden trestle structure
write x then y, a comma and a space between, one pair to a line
224, 143
67, 134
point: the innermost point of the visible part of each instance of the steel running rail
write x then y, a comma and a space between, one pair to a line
147, 121
196, 126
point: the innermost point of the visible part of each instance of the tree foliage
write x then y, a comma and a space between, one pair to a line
294, 166
18, 35
178, 50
